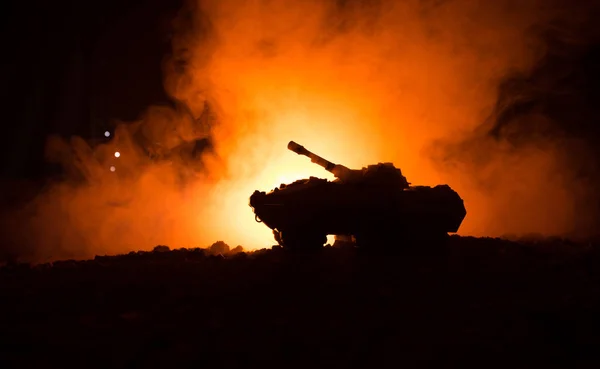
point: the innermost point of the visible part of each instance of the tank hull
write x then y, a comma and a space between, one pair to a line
320, 207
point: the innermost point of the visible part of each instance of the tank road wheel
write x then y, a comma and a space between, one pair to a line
302, 240
376, 241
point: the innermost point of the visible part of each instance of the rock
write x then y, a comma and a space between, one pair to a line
219, 247
237, 250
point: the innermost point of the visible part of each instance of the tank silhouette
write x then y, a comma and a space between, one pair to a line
374, 205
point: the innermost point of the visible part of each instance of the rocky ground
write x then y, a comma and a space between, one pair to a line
471, 303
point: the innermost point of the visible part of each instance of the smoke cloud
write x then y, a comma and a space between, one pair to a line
432, 86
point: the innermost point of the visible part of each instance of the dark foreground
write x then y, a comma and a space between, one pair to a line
475, 302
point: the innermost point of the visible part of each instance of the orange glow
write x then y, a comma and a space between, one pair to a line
354, 85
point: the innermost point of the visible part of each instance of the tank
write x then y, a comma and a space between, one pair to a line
376, 206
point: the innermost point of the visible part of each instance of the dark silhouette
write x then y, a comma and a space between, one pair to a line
483, 303
373, 204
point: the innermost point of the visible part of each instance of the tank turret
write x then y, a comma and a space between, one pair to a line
339, 171
371, 204
382, 173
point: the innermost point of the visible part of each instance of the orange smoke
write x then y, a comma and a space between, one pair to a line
356, 82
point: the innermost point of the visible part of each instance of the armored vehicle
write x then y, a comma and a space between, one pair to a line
375, 205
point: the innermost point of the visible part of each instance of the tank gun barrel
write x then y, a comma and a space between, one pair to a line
301, 150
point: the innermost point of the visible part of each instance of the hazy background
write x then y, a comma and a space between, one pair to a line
497, 99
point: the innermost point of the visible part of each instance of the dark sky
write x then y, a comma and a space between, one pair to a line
70, 67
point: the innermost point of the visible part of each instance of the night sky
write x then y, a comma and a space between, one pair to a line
73, 68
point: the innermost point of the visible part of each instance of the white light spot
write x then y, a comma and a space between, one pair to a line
106, 134
112, 168
117, 154
330, 239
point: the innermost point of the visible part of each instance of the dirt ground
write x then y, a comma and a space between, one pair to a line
483, 303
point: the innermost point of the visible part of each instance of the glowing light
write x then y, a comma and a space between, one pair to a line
112, 168
271, 164
106, 134
117, 154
